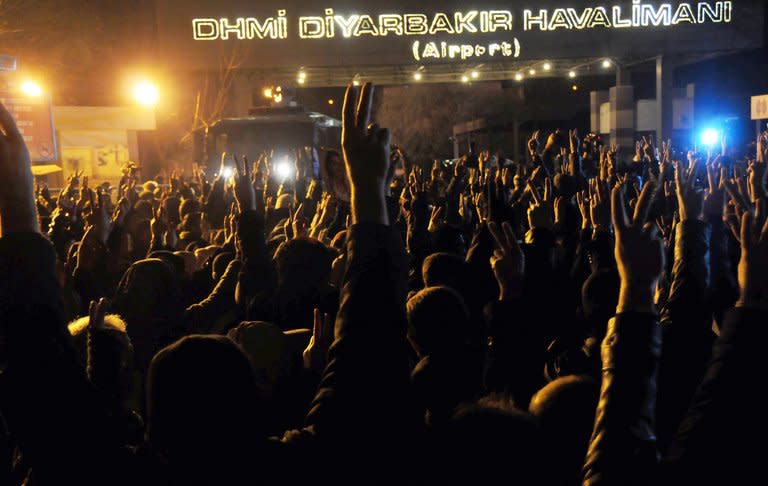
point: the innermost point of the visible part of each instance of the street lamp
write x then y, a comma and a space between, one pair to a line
31, 88
145, 93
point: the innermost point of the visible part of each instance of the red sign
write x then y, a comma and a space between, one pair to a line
33, 117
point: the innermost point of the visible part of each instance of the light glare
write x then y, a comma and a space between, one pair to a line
710, 137
283, 169
31, 88
547, 66
571, 74
145, 93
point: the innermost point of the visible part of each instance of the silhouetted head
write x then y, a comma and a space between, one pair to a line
303, 264
202, 407
565, 185
268, 350
448, 239
491, 440
599, 297
566, 410
111, 360
149, 299
189, 206
437, 320
220, 264
446, 269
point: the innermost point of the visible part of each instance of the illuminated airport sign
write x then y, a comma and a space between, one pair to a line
326, 33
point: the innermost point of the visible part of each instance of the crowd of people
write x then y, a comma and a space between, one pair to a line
583, 316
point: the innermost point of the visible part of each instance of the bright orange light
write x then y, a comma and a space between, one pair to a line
146, 93
574, 88
31, 88
267, 92
330, 101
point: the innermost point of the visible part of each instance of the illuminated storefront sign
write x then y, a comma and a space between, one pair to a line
316, 33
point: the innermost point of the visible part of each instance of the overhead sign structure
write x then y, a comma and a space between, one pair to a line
760, 107
315, 33
33, 117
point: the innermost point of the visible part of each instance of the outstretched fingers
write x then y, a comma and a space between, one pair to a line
643, 205
618, 212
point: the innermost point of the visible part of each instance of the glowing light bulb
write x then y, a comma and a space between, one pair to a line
145, 93
547, 66
31, 88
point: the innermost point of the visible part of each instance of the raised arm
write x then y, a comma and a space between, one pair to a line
367, 377
49, 407
622, 449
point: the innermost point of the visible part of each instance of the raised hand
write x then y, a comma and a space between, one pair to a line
436, 220
507, 262
639, 252
714, 199
533, 144
99, 217
96, 312
599, 205
299, 223
582, 199
366, 151
753, 263
316, 353
541, 210
689, 198
121, 211
757, 175
17, 197
553, 141
158, 225
573, 141
649, 150
245, 193
762, 147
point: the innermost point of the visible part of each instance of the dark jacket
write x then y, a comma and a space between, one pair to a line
721, 439
686, 322
622, 450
